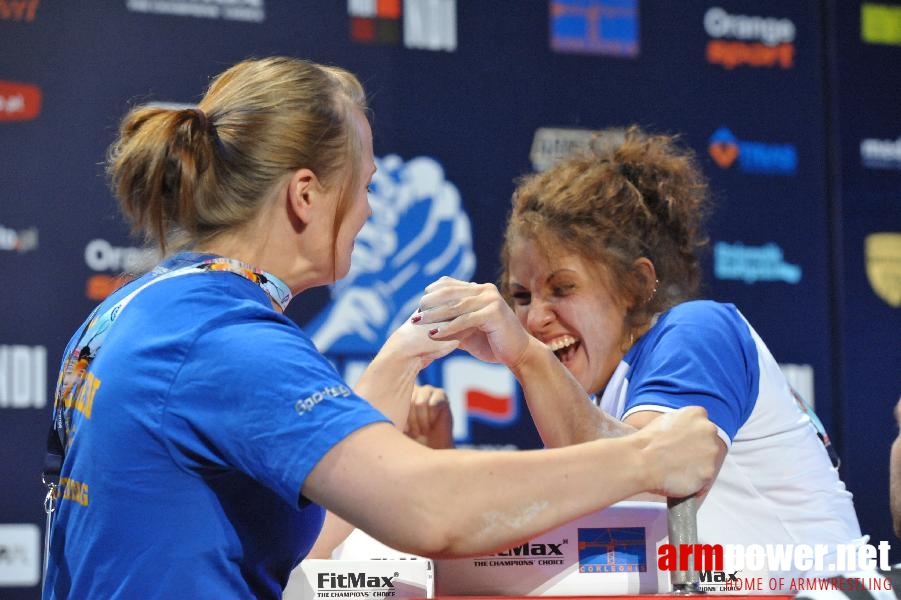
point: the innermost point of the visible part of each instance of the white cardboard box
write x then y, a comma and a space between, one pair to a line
375, 579
609, 552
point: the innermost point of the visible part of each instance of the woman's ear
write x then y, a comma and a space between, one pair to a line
646, 275
304, 189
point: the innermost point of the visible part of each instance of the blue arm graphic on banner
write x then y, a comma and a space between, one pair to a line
418, 232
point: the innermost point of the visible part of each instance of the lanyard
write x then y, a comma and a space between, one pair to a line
74, 371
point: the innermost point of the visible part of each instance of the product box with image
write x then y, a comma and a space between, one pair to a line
375, 579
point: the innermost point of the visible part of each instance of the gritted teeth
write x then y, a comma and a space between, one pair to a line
561, 343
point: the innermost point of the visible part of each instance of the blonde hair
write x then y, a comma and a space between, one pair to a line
183, 176
631, 195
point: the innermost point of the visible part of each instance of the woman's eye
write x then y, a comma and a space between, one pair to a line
563, 289
370, 189
522, 298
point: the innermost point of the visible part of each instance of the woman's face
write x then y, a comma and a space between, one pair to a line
564, 300
358, 209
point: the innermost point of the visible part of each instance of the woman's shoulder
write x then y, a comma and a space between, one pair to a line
704, 322
702, 312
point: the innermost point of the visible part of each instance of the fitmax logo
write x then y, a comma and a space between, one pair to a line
535, 549
752, 157
357, 580
719, 577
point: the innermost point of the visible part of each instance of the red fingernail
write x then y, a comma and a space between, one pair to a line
433, 331
416, 319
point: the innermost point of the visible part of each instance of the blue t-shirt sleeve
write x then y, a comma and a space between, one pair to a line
699, 354
258, 397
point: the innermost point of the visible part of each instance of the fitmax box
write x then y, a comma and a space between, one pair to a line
376, 579
610, 552
606, 553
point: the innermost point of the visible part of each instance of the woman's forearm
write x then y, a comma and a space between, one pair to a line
561, 409
458, 503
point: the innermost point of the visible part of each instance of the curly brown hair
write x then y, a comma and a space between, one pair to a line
630, 195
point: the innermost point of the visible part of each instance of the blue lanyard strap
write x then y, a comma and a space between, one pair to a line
73, 374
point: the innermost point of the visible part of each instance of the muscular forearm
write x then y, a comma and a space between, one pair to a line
387, 383
455, 503
560, 407
458, 503
481, 522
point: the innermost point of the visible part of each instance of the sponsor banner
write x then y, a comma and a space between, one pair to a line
880, 24
24, 240
750, 264
753, 157
19, 101
749, 40
252, 11
478, 391
113, 266
881, 154
418, 232
882, 252
418, 24
20, 555
23, 376
549, 144
18, 10
603, 27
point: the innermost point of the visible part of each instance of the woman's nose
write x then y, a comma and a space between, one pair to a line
540, 315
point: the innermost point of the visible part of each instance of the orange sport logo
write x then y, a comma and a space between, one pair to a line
752, 41
18, 10
19, 101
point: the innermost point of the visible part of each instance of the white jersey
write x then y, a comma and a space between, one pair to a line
777, 484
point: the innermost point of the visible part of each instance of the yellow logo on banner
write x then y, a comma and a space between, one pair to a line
880, 24
882, 252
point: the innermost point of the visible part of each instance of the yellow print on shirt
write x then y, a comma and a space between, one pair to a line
70, 489
81, 395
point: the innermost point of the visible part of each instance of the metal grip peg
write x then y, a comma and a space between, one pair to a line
682, 522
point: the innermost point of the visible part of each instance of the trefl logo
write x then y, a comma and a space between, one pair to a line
18, 10
19, 101
752, 157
